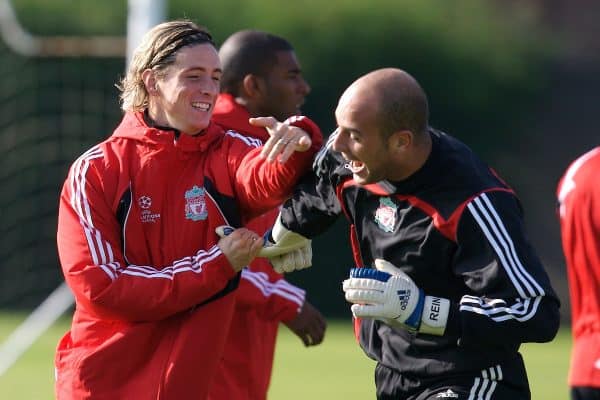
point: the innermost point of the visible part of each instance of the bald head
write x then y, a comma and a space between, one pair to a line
248, 52
399, 100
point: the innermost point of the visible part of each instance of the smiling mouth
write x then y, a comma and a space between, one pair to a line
355, 166
200, 105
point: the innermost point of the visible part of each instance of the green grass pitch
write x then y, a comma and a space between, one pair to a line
337, 369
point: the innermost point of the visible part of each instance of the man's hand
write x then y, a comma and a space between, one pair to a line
280, 240
288, 251
294, 260
240, 246
284, 141
388, 294
309, 325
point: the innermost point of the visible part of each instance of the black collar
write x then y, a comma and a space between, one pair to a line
150, 122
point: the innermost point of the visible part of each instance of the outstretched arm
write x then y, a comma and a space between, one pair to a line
262, 179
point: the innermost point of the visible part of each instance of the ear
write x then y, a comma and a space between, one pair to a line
400, 140
253, 85
150, 81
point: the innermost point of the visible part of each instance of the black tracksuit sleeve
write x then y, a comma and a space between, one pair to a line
511, 300
314, 206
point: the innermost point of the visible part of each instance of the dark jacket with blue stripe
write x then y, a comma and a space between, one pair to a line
457, 230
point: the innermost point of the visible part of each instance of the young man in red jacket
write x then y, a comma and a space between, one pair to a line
153, 282
578, 195
261, 77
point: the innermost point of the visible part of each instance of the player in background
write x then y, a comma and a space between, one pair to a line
578, 195
154, 284
261, 77
446, 285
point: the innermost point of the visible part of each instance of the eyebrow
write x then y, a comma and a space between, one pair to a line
202, 69
350, 130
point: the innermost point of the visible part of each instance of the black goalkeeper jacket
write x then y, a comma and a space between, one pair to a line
457, 230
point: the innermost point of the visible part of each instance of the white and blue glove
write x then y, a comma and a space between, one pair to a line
288, 251
388, 294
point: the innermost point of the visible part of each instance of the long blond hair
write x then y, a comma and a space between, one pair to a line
157, 50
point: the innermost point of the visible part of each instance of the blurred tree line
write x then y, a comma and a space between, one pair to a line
483, 64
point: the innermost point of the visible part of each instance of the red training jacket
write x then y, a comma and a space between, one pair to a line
264, 298
579, 211
137, 246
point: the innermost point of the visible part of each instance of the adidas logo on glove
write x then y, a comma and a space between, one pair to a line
403, 296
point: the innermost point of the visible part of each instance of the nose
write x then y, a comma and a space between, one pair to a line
210, 87
338, 143
305, 87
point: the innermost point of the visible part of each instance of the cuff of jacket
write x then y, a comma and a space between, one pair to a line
306, 124
292, 309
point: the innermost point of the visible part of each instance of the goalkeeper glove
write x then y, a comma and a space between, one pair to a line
280, 240
288, 251
388, 294
294, 260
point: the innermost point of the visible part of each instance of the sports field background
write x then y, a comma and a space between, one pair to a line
474, 58
337, 369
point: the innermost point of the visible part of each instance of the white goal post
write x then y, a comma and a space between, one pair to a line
22, 42
46, 314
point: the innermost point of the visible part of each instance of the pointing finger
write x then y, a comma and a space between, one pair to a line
265, 122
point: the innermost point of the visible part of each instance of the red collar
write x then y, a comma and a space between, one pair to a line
133, 126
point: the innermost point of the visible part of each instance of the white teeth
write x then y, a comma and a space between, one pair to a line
201, 105
355, 166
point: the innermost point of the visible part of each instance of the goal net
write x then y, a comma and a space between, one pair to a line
51, 109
